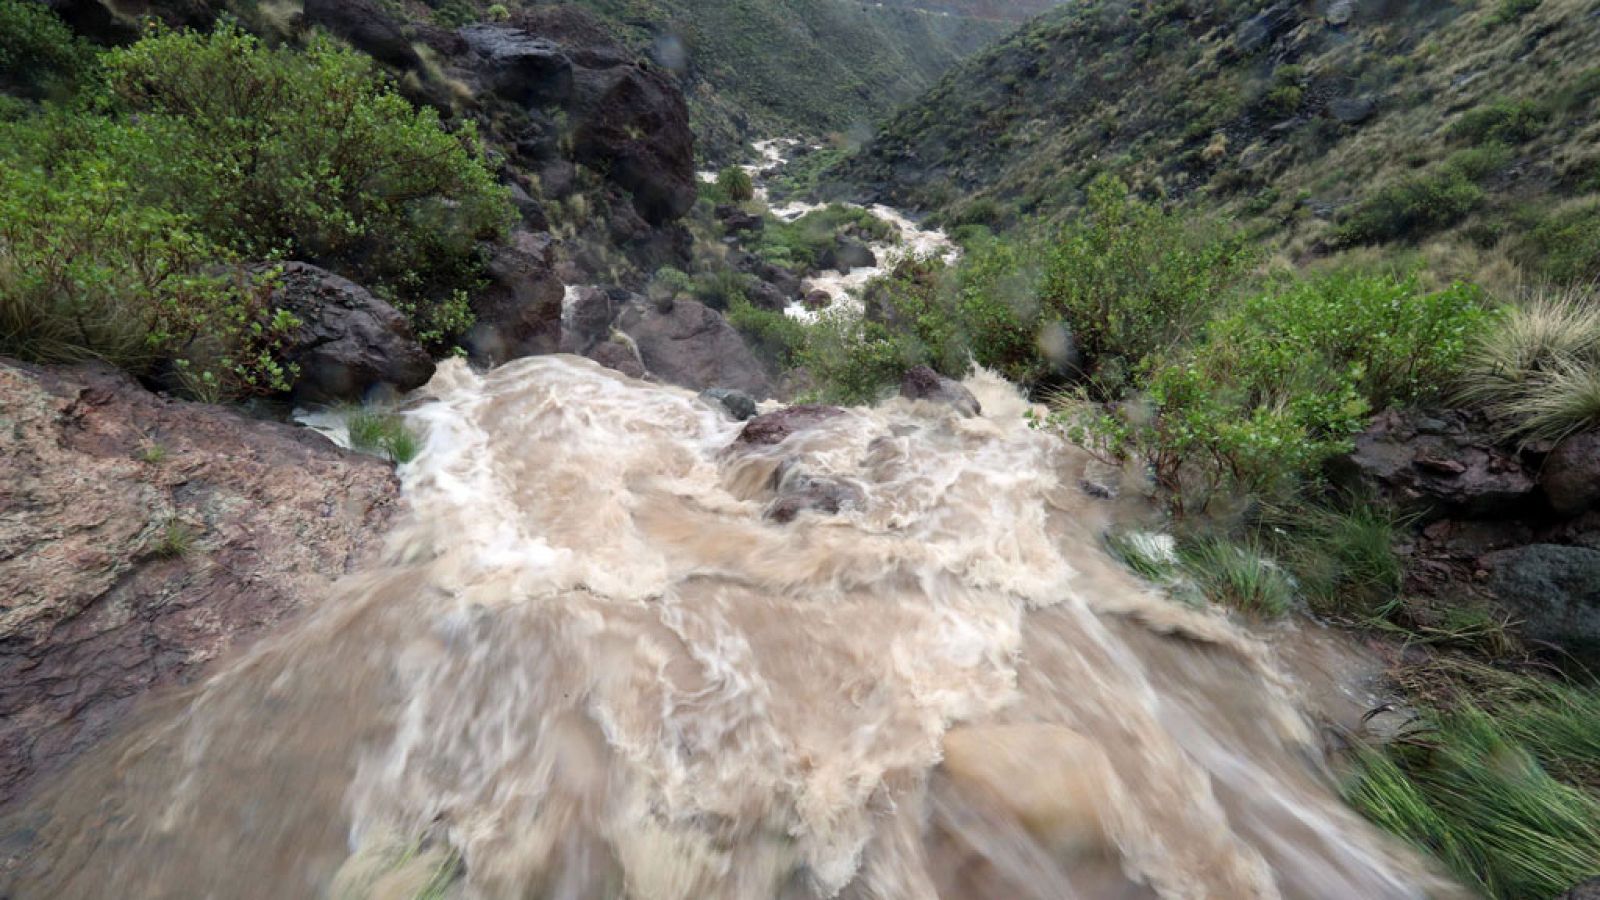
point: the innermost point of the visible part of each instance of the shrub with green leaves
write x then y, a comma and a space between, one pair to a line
1134, 280
39, 55
1566, 246
1502, 120
1412, 207
89, 272
801, 244
778, 336
307, 154
1284, 377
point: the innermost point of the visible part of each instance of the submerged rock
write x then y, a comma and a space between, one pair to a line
735, 403
775, 427
141, 537
923, 383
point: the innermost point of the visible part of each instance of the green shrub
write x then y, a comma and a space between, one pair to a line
1502, 120
1566, 247
802, 243
734, 183
854, 359
39, 55
1283, 378
778, 336
1412, 207
88, 272
1511, 10
311, 155
1133, 280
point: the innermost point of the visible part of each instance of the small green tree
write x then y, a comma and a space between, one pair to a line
734, 183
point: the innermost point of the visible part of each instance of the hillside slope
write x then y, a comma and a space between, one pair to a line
1321, 124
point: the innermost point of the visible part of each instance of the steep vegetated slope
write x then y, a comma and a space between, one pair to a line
752, 69
1324, 124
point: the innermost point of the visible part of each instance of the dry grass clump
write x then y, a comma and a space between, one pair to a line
1538, 370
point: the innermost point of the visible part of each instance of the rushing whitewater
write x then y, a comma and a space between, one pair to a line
592, 666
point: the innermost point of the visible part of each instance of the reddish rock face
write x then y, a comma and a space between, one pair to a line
141, 537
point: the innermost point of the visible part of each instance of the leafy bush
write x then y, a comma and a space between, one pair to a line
853, 358
734, 183
311, 155
1537, 371
88, 272
1283, 379
1567, 245
1511, 10
802, 243
1133, 280
1412, 207
39, 55
1502, 120
778, 336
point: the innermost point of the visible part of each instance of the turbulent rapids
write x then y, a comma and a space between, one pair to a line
596, 665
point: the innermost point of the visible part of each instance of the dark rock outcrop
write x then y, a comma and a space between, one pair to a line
1439, 464
692, 345
520, 67
588, 321
923, 383
141, 537
368, 27
1554, 591
620, 356
775, 427
736, 221
1570, 477
1588, 890
847, 253
633, 124
800, 491
519, 312
349, 342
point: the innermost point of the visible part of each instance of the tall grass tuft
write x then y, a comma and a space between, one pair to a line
1478, 799
1234, 576
1538, 370
384, 432
1342, 556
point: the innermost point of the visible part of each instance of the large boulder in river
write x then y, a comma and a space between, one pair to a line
689, 344
348, 342
141, 537
775, 427
923, 383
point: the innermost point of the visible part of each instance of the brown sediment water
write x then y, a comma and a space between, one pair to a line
591, 667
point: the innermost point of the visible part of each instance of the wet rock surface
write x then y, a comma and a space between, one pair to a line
774, 427
693, 346
141, 537
349, 342
923, 383
519, 311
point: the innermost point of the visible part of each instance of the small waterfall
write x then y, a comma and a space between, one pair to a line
592, 666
